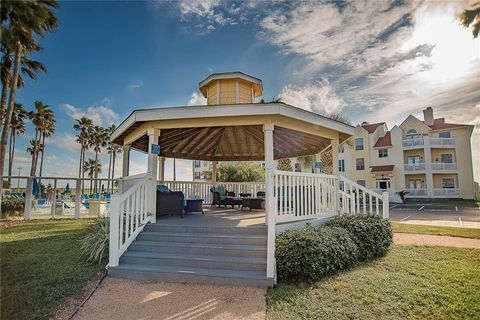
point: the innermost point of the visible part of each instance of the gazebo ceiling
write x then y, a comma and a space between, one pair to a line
232, 143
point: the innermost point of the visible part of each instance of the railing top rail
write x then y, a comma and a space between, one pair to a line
135, 176
59, 178
122, 197
358, 186
305, 174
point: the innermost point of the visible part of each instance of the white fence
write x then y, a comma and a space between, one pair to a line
413, 142
302, 196
356, 199
414, 167
440, 166
130, 213
442, 142
56, 202
413, 193
448, 193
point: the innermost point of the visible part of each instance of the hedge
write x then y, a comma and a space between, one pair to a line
309, 254
372, 234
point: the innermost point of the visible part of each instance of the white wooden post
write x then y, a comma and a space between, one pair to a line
153, 135
269, 197
335, 143
385, 206
114, 243
54, 199
78, 197
126, 160
214, 173
161, 169
27, 212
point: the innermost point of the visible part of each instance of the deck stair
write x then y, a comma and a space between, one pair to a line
197, 254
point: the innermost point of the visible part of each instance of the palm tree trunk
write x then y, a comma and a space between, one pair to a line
3, 101
32, 167
83, 170
9, 111
41, 159
96, 170
10, 155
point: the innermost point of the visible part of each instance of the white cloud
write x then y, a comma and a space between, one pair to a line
66, 141
135, 85
101, 115
196, 99
319, 97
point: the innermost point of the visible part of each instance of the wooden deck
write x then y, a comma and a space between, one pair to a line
218, 217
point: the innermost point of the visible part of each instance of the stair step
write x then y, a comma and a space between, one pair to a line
196, 261
251, 230
203, 238
191, 275
200, 248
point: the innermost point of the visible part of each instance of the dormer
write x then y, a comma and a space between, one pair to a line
230, 88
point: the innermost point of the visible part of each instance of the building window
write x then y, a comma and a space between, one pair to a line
446, 158
360, 162
361, 182
341, 148
412, 134
448, 183
298, 167
341, 165
197, 175
382, 153
445, 134
197, 163
415, 184
359, 144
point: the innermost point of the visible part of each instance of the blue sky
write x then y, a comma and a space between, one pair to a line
373, 61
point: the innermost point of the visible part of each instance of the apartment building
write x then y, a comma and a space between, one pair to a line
429, 159
199, 168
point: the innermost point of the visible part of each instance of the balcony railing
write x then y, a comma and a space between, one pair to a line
446, 193
442, 141
414, 167
444, 166
413, 142
414, 193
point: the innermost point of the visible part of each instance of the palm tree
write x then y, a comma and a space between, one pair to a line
472, 17
44, 120
92, 167
110, 151
22, 22
306, 161
48, 129
114, 150
17, 127
84, 127
98, 140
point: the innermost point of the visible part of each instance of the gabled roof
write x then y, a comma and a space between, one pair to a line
371, 127
416, 119
385, 168
385, 141
439, 124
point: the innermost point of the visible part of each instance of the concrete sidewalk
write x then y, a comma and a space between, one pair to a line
127, 299
434, 240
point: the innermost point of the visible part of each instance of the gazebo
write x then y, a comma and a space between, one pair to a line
231, 127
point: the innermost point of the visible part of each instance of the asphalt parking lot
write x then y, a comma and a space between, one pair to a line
436, 214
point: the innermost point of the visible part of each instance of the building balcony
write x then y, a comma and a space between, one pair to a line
442, 142
446, 193
413, 143
433, 142
444, 167
414, 167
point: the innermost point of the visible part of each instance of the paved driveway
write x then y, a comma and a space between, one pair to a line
436, 214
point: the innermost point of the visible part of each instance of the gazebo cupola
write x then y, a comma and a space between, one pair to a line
230, 88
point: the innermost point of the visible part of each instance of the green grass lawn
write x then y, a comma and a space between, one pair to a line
409, 283
41, 266
442, 231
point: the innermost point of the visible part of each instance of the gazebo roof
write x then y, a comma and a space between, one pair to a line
257, 83
230, 132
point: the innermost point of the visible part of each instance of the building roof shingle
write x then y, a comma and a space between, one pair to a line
371, 127
440, 123
385, 141
384, 168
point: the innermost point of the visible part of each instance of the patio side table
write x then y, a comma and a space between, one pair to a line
193, 205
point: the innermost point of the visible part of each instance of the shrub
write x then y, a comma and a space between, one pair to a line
310, 253
12, 207
95, 243
372, 234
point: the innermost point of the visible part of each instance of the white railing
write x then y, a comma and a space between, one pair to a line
128, 215
414, 167
446, 193
201, 189
302, 196
413, 193
357, 199
442, 141
413, 142
393, 195
56, 202
440, 166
